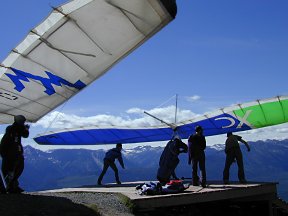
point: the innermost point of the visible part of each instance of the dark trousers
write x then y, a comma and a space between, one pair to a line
107, 164
231, 155
12, 168
2, 184
198, 159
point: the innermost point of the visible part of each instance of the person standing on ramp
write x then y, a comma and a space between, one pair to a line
233, 151
109, 161
196, 155
11, 151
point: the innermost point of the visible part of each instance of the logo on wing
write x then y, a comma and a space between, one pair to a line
227, 121
22, 76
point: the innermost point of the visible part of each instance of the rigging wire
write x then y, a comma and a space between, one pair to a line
165, 102
54, 119
176, 109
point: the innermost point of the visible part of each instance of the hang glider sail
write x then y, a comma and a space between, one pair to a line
76, 44
241, 117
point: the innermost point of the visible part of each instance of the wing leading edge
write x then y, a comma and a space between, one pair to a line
241, 117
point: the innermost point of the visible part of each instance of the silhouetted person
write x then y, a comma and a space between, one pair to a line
169, 160
11, 151
197, 145
109, 161
233, 151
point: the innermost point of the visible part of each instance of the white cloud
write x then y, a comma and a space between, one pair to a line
58, 120
135, 111
193, 98
282, 130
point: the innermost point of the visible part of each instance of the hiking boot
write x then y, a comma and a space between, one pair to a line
203, 184
18, 190
2, 189
118, 182
195, 182
15, 190
243, 181
226, 182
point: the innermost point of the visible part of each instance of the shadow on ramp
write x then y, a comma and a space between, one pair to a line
27, 204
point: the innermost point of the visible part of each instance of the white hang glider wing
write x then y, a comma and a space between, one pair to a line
241, 117
76, 44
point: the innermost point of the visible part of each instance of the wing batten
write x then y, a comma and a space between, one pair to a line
63, 52
282, 108
69, 18
263, 113
125, 14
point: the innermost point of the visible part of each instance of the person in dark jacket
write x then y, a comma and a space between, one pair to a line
233, 151
169, 160
109, 161
11, 151
196, 155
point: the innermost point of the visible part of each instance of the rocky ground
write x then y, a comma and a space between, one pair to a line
63, 204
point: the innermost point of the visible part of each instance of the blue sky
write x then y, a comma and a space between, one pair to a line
218, 52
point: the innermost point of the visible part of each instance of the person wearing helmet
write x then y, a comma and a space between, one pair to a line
196, 155
11, 151
233, 152
109, 161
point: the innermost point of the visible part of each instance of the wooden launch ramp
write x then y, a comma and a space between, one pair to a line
215, 192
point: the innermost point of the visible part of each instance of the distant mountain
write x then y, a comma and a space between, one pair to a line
267, 161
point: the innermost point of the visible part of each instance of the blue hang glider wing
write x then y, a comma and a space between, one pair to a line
241, 117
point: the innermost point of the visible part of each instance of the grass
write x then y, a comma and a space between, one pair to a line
127, 202
94, 208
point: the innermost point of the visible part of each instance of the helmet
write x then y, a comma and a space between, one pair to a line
198, 128
19, 119
229, 134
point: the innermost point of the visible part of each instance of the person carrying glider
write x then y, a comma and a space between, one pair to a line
109, 161
169, 159
196, 155
233, 151
11, 151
